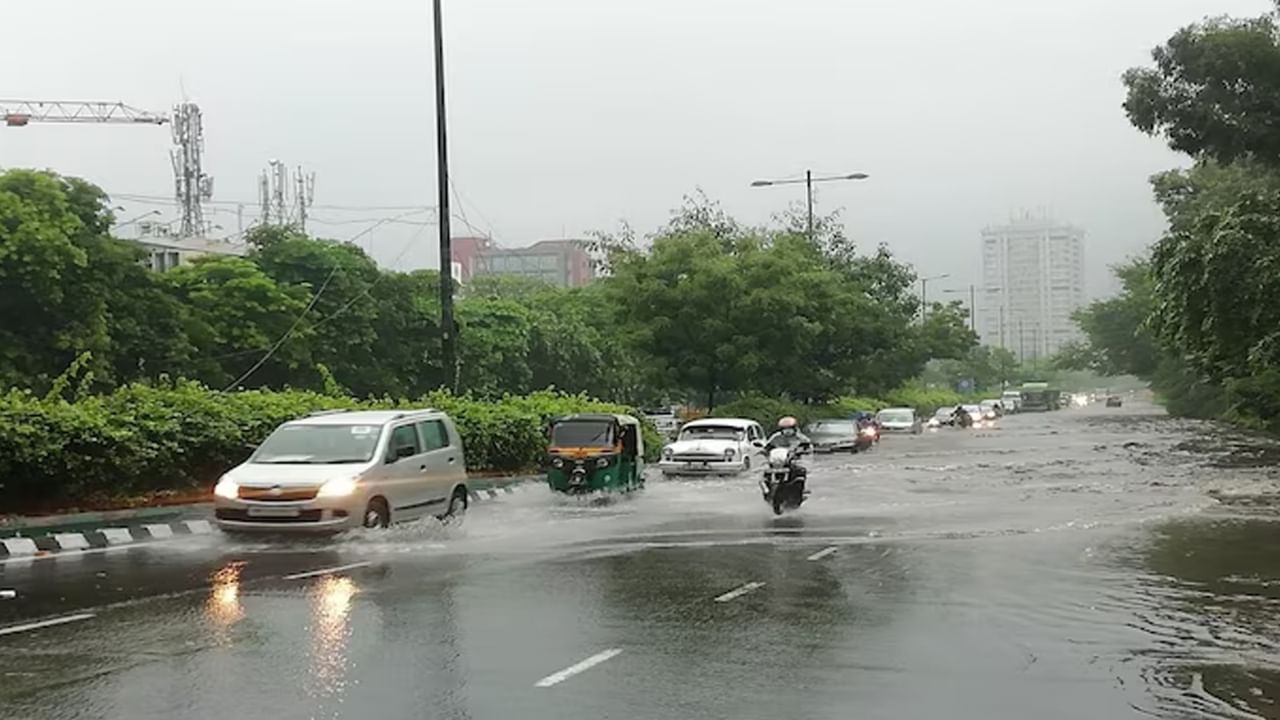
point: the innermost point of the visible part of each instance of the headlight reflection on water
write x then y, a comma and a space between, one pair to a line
223, 608
330, 631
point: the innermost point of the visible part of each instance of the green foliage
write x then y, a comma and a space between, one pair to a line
142, 438
1214, 90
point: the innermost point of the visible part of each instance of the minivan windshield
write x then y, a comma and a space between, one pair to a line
319, 445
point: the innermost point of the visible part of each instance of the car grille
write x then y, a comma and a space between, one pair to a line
697, 457
239, 515
283, 495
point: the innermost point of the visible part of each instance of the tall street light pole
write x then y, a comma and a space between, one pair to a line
448, 340
973, 293
808, 181
924, 294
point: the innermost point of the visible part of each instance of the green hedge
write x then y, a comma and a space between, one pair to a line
141, 439
767, 410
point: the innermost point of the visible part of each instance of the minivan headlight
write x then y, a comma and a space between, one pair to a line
227, 488
337, 487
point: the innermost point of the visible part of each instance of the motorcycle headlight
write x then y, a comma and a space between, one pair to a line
602, 462
337, 487
729, 454
557, 462
227, 488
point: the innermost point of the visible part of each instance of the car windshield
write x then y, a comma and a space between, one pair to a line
301, 444
944, 412
711, 432
973, 408
833, 427
895, 416
582, 433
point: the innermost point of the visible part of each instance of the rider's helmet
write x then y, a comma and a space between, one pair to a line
787, 425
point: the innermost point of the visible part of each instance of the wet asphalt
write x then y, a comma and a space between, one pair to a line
1089, 563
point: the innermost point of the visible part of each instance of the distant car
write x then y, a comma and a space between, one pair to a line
837, 435
713, 446
978, 415
899, 420
1114, 401
665, 421
1012, 400
991, 409
333, 471
943, 416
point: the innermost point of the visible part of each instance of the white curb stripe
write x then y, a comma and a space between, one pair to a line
117, 536
14, 629
326, 571
159, 531
572, 670
739, 592
20, 546
71, 541
199, 527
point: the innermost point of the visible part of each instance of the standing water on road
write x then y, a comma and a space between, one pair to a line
1084, 563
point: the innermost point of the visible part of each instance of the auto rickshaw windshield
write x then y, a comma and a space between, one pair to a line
583, 434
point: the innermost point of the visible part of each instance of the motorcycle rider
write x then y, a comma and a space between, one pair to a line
788, 435
962, 417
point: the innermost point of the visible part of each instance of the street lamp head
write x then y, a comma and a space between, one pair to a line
858, 176
761, 183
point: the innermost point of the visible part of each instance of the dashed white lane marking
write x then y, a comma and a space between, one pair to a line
326, 571
565, 674
14, 629
739, 592
823, 553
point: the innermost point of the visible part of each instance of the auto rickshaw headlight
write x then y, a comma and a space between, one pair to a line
557, 462
602, 462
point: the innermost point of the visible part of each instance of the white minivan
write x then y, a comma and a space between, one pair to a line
333, 471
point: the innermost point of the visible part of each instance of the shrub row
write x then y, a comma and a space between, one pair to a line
142, 439
767, 410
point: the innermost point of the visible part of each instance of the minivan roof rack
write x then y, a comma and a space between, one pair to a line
319, 413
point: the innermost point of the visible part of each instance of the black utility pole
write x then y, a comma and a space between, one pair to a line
448, 340
808, 193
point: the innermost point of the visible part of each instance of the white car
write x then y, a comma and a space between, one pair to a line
899, 420
713, 446
333, 471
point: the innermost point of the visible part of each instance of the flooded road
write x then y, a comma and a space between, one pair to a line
1086, 563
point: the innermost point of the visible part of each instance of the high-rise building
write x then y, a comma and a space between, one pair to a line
1032, 281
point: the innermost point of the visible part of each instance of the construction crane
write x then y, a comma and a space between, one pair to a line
19, 113
191, 184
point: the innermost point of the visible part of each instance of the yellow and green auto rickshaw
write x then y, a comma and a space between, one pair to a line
595, 453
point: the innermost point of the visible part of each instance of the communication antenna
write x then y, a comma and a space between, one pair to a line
191, 185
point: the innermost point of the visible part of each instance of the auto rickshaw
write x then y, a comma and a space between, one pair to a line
592, 452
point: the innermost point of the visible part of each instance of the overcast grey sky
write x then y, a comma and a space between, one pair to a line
570, 115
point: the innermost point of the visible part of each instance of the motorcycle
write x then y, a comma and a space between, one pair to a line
783, 485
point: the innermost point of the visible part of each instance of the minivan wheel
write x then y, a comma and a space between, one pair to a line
376, 514
457, 505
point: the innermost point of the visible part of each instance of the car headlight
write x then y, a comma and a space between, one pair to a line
557, 462
227, 488
729, 454
602, 462
667, 453
337, 487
